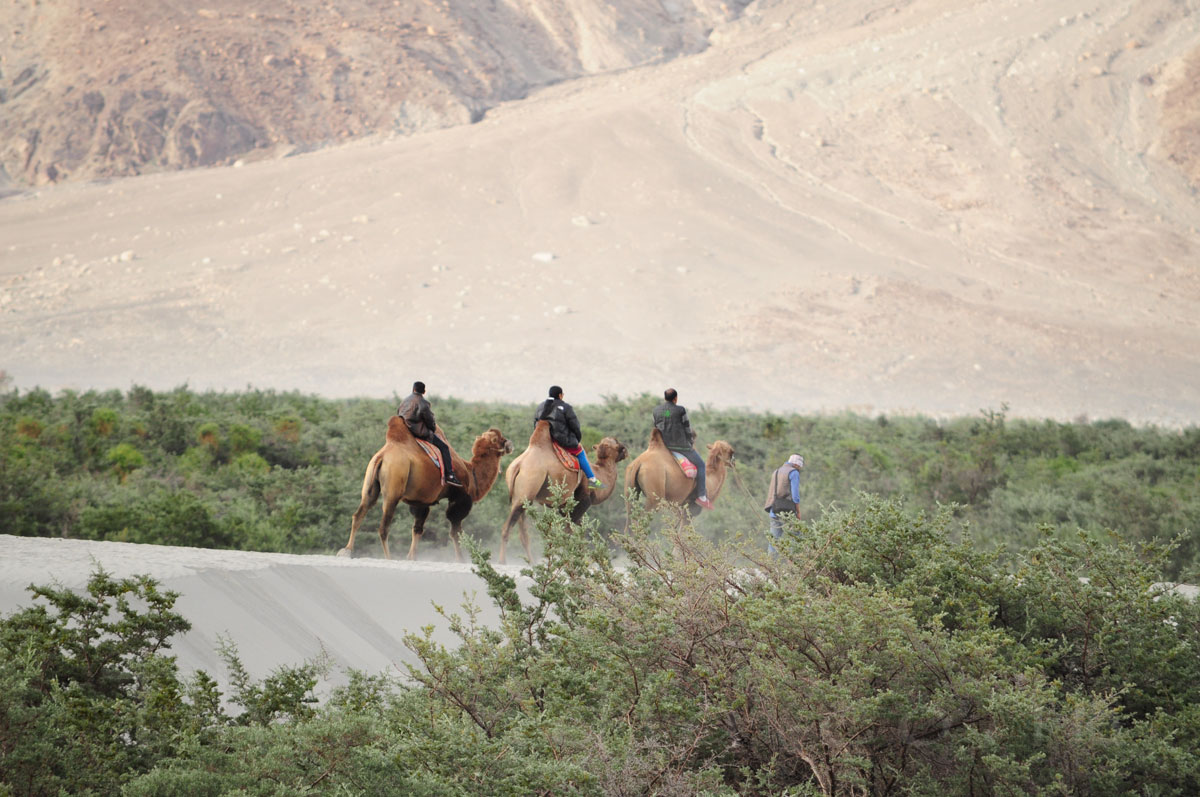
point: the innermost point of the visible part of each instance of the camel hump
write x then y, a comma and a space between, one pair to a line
541, 435
656, 440
397, 431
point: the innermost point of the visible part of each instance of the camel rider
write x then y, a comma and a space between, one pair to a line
564, 430
783, 496
672, 421
417, 413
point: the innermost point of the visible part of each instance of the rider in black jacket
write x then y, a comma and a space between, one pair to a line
417, 413
672, 422
564, 430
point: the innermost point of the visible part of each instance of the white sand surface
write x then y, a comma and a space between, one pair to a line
279, 609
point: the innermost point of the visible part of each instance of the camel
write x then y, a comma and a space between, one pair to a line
529, 477
657, 475
402, 471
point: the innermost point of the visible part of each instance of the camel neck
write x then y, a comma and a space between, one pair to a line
606, 470
714, 477
484, 470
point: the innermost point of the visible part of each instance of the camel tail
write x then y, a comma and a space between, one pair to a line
632, 475
510, 476
370, 488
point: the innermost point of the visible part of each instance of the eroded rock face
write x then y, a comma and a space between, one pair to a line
98, 90
1181, 116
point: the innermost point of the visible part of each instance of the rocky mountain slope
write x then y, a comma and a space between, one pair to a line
96, 89
934, 205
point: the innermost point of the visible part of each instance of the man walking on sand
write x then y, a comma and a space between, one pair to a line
783, 496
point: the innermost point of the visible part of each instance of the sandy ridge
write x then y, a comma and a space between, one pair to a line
278, 609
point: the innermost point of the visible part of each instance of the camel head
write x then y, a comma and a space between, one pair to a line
491, 442
610, 449
720, 452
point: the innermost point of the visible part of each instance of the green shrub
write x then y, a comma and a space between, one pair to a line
250, 464
209, 436
1002, 476
91, 703
162, 517
80, 674
104, 421
244, 439
288, 428
29, 427
124, 459
874, 655
879, 652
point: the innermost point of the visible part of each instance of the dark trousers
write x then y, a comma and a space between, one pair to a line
696, 460
445, 450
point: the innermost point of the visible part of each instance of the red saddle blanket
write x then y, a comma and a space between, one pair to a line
567, 459
685, 464
434, 454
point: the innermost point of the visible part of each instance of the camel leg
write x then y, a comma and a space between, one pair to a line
583, 501
685, 517
456, 512
515, 513
419, 514
389, 510
355, 521
633, 491
651, 503
370, 495
656, 493
525, 539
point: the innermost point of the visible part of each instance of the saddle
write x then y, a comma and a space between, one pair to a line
567, 459
431, 450
685, 464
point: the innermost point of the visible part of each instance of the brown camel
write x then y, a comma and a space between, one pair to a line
402, 471
529, 477
657, 475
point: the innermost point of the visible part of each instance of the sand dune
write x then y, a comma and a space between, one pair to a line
278, 609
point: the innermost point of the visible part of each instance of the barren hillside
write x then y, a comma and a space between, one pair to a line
95, 89
935, 206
